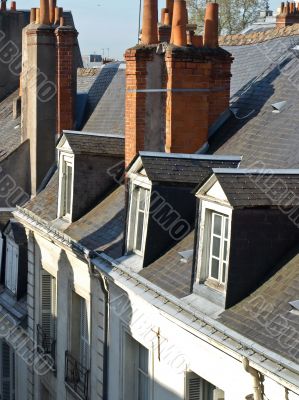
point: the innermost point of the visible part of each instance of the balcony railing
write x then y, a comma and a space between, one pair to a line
76, 376
47, 343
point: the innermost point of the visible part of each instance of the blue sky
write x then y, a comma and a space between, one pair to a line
104, 24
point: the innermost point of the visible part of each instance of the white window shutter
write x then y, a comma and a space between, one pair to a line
84, 334
193, 386
6, 372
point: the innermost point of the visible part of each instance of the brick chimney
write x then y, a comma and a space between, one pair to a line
66, 78
176, 93
48, 87
289, 15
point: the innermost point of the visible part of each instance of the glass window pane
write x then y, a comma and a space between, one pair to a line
139, 231
225, 244
216, 247
215, 269
142, 193
217, 224
142, 387
143, 359
226, 228
224, 268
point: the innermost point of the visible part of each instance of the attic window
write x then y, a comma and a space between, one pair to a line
278, 107
295, 307
186, 256
66, 186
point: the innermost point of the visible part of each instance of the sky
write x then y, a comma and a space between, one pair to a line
105, 24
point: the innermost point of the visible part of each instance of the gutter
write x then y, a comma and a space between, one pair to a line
105, 287
210, 328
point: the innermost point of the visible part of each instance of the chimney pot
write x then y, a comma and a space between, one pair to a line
32, 15
150, 22
61, 21
44, 12
169, 6
3, 5
211, 25
179, 23
164, 11
167, 19
52, 5
37, 16
282, 8
58, 15
13, 6
197, 41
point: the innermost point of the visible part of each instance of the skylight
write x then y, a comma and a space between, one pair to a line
295, 307
186, 256
279, 107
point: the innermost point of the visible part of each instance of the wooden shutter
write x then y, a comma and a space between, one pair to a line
6, 371
12, 266
48, 304
8, 275
193, 386
84, 334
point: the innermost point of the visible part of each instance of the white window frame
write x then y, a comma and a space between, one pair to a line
136, 370
204, 248
65, 161
143, 183
11, 266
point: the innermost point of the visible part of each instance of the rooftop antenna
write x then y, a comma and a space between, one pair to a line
139, 23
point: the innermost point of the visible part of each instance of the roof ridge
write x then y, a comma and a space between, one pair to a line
243, 39
189, 156
255, 171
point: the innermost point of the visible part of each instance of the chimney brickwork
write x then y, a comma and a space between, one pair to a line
175, 93
289, 14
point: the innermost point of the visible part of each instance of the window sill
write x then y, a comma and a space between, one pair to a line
132, 261
215, 285
210, 294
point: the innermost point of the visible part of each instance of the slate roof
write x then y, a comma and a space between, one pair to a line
169, 272
45, 204
86, 78
102, 228
245, 188
108, 113
10, 129
92, 143
263, 138
183, 168
265, 318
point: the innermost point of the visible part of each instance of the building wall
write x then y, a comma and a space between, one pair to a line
179, 351
71, 274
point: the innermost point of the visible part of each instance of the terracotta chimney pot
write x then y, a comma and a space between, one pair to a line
61, 21
52, 5
150, 22
163, 12
197, 41
58, 15
169, 6
211, 25
179, 26
37, 16
32, 15
13, 6
3, 5
167, 19
281, 8
44, 12
292, 8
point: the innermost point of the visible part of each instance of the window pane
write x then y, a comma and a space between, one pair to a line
226, 228
142, 193
217, 224
143, 359
142, 386
216, 247
68, 191
215, 269
139, 231
224, 268
225, 244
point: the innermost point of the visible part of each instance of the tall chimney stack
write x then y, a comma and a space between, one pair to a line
211, 26
150, 22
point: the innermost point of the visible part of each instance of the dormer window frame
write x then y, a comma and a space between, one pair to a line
209, 210
137, 181
66, 187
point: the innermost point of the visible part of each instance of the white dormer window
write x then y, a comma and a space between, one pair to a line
215, 226
139, 206
12, 262
66, 186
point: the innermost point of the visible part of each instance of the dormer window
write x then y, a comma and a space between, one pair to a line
66, 186
138, 218
218, 257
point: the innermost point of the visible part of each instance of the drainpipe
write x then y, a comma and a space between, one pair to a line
256, 380
105, 287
